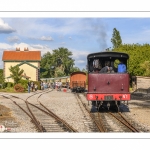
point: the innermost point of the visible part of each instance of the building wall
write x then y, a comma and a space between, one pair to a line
28, 70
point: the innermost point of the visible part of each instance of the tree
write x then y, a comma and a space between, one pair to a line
57, 64
74, 69
62, 57
16, 73
116, 38
46, 65
146, 68
138, 55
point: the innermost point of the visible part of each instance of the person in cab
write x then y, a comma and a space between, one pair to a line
121, 67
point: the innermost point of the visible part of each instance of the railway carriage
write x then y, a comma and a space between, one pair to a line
78, 81
107, 89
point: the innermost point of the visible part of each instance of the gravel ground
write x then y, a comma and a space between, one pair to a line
139, 109
65, 105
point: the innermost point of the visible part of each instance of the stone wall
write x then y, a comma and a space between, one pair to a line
141, 83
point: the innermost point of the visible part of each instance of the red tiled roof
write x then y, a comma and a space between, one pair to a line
21, 55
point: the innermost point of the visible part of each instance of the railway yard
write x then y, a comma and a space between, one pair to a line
63, 111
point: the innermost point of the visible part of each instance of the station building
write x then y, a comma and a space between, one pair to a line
27, 60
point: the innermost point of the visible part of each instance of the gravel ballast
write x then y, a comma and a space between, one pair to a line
65, 105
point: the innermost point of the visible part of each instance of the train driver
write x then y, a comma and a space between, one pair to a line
106, 68
121, 67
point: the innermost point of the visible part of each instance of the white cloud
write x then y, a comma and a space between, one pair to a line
80, 57
5, 28
43, 38
13, 39
36, 27
38, 46
32, 47
77, 54
4, 46
81, 61
62, 43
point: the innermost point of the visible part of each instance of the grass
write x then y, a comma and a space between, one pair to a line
9, 90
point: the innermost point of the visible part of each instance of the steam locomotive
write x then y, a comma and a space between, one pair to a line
107, 89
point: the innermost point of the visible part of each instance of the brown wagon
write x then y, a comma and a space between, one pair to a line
78, 81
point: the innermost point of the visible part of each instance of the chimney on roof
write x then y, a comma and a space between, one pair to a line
26, 49
17, 49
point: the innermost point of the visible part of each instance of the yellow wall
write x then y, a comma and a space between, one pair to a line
28, 70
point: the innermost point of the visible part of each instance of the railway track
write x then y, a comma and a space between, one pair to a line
88, 123
43, 119
107, 121
95, 121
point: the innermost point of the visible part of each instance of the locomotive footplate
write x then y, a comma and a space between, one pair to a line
108, 97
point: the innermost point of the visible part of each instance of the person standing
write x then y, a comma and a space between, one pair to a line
35, 86
60, 85
29, 86
32, 86
41, 85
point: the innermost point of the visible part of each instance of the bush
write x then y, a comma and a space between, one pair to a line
24, 83
19, 88
38, 84
9, 84
4, 85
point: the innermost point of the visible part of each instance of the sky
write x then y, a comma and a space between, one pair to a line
79, 35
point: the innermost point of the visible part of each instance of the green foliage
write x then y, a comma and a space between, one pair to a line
116, 62
24, 83
138, 58
145, 67
10, 90
84, 70
116, 38
9, 84
46, 62
1, 77
74, 69
16, 73
4, 85
57, 64
38, 84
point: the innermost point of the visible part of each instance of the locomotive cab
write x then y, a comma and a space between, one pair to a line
108, 85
